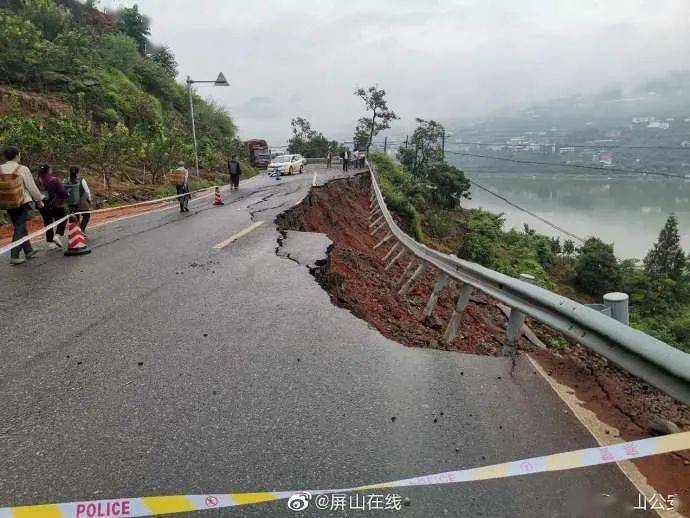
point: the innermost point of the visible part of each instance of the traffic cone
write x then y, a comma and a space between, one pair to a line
218, 198
76, 241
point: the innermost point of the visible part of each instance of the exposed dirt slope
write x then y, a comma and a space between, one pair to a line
356, 279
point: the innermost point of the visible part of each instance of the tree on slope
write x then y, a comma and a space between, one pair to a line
381, 116
597, 270
135, 25
164, 57
667, 257
425, 149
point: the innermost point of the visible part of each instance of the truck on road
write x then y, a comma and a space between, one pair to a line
259, 154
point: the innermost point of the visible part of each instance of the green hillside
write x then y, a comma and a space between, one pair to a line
79, 86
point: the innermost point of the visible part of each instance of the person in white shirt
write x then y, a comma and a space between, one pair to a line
19, 215
183, 189
346, 158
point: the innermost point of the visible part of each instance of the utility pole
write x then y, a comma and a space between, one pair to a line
443, 144
385, 145
191, 111
220, 81
406, 139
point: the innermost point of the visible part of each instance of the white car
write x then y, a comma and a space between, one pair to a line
286, 164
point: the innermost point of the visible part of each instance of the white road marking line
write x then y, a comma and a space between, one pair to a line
241, 233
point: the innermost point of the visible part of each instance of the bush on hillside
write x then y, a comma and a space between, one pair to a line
597, 270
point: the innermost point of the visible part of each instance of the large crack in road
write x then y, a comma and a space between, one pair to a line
355, 278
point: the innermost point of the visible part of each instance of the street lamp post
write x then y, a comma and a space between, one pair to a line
220, 81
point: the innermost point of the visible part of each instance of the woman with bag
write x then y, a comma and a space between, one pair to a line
17, 190
79, 196
54, 209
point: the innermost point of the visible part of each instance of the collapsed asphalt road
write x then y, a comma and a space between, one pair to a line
159, 364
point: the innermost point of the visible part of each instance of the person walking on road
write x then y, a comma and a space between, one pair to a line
54, 205
81, 194
235, 171
183, 188
329, 158
18, 215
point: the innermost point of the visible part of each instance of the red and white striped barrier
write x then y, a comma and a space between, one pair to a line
76, 240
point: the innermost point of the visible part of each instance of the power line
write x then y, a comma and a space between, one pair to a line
401, 140
587, 146
543, 220
579, 166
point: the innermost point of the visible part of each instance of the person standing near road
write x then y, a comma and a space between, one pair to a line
81, 195
346, 159
20, 213
362, 159
329, 158
235, 171
54, 205
183, 188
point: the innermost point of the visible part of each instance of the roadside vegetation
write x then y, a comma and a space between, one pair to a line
310, 143
82, 87
425, 193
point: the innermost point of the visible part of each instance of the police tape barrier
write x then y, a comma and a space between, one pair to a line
156, 505
41, 231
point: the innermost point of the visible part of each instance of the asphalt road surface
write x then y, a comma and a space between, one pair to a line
160, 365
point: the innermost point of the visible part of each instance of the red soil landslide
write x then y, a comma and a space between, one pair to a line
356, 279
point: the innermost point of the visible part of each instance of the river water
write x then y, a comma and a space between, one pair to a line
628, 211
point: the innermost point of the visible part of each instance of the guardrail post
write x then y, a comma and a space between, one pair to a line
406, 270
396, 258
456, 318
618, 303
376, 222
517, 318
390, 252
433, 298
375, 212
385, 238
379, 227
416, 275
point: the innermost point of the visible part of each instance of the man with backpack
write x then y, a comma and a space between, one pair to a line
17, 190
182, 186
79, 196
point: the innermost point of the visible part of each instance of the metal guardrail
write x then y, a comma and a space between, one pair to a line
652, 360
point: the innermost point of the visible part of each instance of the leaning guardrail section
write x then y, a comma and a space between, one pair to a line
652, 360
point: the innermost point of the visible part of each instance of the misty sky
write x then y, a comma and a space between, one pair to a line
437, 59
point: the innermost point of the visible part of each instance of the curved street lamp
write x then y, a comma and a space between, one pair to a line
220, 81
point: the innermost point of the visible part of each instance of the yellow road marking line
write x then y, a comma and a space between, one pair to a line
241, 233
